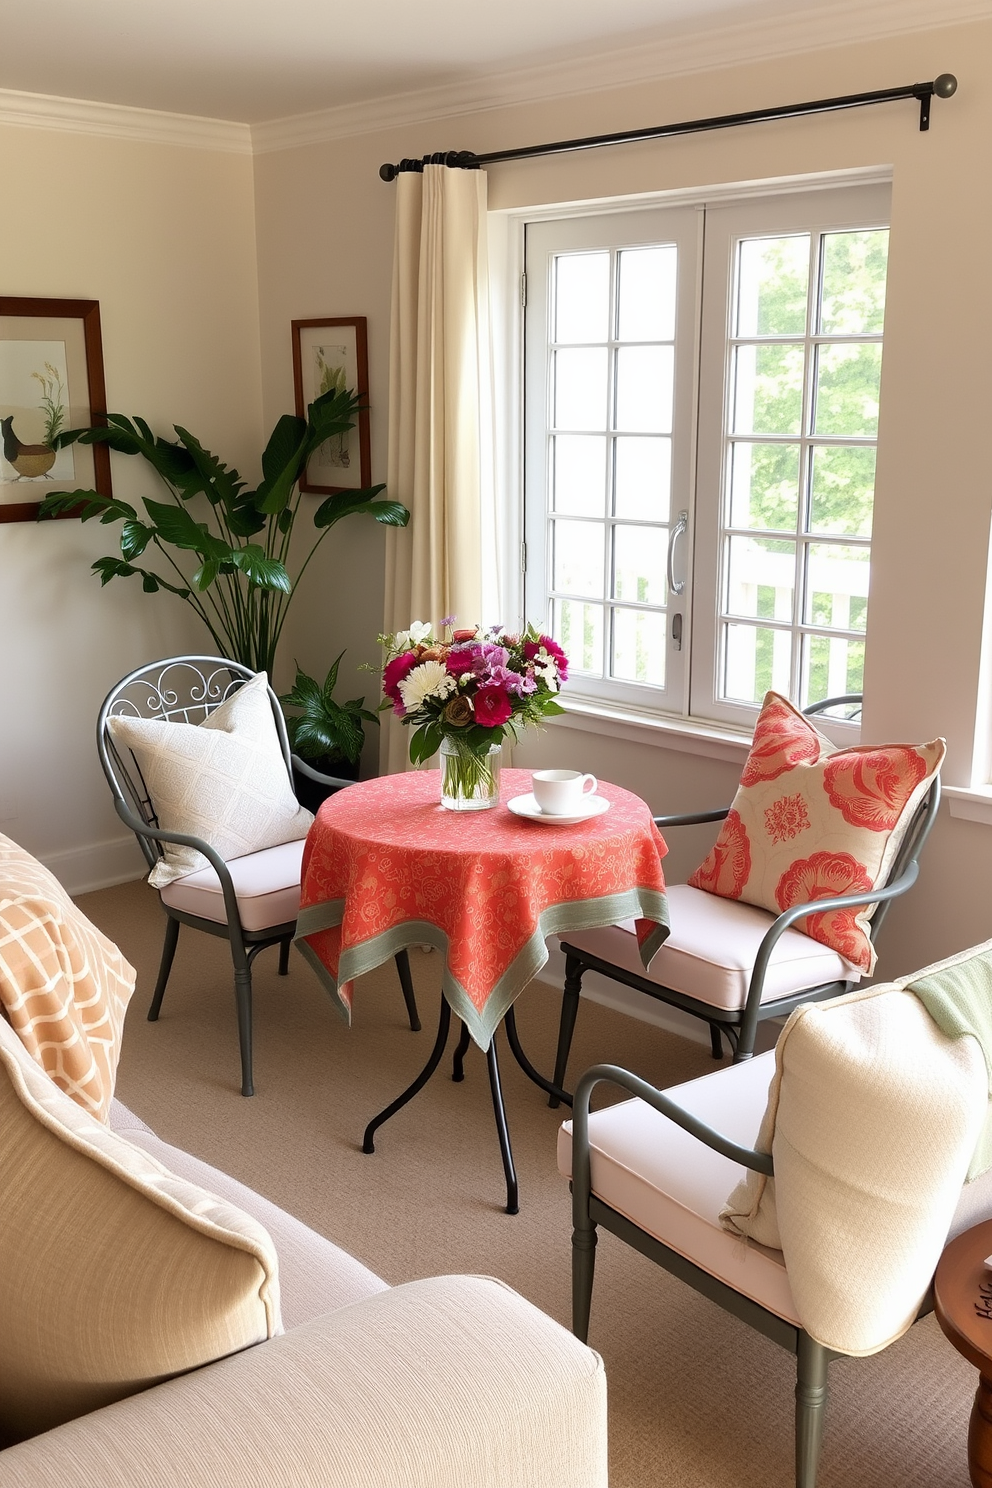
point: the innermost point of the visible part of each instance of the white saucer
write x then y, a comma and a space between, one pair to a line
528, 807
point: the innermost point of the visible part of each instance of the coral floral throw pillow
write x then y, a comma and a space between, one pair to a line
810, 822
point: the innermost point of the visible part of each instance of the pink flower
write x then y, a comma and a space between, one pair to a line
557, 654
461, 659
532, 649
492, 707
395, 671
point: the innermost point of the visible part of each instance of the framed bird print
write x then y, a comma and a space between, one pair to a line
51, 380
332, 354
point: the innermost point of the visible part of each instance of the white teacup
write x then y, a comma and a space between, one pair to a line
560, 792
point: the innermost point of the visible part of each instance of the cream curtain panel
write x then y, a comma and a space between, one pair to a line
440, 419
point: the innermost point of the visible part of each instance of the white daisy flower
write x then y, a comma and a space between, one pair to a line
431, 679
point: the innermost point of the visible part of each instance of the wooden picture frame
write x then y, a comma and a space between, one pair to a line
51, 380
326, 352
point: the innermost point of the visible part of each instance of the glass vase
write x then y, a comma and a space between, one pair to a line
469, 781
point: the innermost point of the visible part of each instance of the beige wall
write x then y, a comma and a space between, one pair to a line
324, 247
163, 237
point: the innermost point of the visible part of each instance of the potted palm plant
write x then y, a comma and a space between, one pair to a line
233, 567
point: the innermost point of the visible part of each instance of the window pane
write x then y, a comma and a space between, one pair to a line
837, 586
580, 389
639, 647
847, 378
639, 555
582, 297
578, 628
647, 294
853, 297
755, 660
768, 389
578, 483
832, 666
773, 275
764, 485
761, 576
578, 557
842, 485
645, 388
642, 480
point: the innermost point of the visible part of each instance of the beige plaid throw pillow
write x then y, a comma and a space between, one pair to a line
64, 987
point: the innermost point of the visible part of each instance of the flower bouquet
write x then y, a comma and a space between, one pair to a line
462, 696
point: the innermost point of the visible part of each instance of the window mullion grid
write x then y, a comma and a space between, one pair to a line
609, 556
804, 506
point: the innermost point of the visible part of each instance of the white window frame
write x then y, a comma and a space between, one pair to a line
505, 574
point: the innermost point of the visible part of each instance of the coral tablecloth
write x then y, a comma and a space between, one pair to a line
386, 867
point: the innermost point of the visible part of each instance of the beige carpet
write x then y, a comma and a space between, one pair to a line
697, 1400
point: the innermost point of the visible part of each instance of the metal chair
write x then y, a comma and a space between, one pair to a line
187, 689
656, 1170
796, 968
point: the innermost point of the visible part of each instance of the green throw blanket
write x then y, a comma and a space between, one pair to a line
959, 1000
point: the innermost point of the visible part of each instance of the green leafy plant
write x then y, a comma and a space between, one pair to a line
232, 568
322, 729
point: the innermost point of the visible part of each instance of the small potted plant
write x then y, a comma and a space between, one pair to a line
323, 733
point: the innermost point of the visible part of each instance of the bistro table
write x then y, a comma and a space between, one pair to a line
386, 867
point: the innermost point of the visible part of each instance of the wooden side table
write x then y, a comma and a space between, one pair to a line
963, 1305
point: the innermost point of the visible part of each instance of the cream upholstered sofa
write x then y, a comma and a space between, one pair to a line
452, 1380
162, 1325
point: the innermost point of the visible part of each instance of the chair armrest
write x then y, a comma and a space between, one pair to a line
318, 775
693, 818
184, 839
452, 1381
748, 1157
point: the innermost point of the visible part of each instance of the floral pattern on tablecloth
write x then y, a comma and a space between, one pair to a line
384, 857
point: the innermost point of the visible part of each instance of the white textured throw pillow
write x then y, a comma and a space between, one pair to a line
872, 1118
224, 780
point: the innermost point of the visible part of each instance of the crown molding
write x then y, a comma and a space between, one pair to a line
760, 39
149, 126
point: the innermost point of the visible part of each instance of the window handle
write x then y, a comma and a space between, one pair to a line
681, 527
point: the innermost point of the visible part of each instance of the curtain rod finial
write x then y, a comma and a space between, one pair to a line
388, 172
946, 85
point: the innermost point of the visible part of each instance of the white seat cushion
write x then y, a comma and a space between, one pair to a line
267, 885
673, 1186
710, 951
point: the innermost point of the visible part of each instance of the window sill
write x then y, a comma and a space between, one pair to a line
651, 728
970, 803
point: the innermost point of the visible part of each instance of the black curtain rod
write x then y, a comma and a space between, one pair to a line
943, 87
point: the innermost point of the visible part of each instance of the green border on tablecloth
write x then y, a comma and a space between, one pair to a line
578, 914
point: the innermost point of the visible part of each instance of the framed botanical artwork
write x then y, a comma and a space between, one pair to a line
51, 380
333, 354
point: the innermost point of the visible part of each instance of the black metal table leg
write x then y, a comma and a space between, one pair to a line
513, 1038
458, 1063
512, 1204
402, 959
444, 1025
